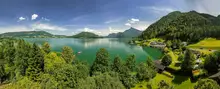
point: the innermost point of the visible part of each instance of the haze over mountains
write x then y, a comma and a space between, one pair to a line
132, 32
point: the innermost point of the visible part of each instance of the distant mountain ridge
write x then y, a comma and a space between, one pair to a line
29, 34
85, 35
131, 32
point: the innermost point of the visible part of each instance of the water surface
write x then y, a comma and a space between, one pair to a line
89, 47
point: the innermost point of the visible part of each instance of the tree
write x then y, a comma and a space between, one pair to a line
2, 73
150, 63
21, 57
145, 72
130, 62
9, 53
166, 60
101, 63
102, 81
46, 47
35, 63
67, 54
181, 57
211, 63
207, 84
117, 64
188, 61
164, 85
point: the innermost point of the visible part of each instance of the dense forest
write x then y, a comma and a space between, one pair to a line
27, 66
189, 26
85, 35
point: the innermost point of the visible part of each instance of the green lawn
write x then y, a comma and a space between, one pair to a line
178, 82
174, 60
208, 44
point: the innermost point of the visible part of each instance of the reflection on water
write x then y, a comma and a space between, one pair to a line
89, 47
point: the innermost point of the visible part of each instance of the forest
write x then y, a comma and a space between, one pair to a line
27, 66
185, 26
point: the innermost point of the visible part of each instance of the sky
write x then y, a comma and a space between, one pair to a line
69, 17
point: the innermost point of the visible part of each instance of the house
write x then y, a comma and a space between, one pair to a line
159, 66
157, 44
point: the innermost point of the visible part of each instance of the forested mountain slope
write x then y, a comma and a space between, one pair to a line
189, 26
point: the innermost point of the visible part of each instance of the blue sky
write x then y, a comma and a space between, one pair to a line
68, 17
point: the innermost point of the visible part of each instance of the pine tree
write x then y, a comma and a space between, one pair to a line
67, 54
101, 63
130, 62
117, 64
35, 63
46, 47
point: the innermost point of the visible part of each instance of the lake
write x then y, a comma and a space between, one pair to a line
89, 47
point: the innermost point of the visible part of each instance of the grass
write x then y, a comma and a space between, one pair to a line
174, 60
206, 45
178, 82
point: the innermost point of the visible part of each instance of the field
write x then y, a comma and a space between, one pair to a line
178, 82
207, 44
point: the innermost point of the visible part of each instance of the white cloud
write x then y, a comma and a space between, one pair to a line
40, 26
127, 24
114, 20
34, 16
45, 19
132, 20
142, 25
204, 6
160, 10
14, 29
21, 19
111, 30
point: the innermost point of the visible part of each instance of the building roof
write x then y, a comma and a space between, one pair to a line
215, 75
158, 65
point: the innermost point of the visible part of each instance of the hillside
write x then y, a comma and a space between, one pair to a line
85, 35
189, 26
132, 32
28, 34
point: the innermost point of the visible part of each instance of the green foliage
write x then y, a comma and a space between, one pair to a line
181, 57
211, 62
207, 84
164, 85
145, 72
150, 63
166, 60
102, 81
2, 73
46, 47
188, 61
35, 63
67, 54
101, 63
117, 64
52, 62
190, 26
130, 62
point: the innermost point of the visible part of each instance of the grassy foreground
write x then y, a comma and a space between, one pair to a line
209, 43
178, 82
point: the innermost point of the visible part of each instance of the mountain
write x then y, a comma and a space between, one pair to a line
188, 26
85, 35
29, 34
132, 32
